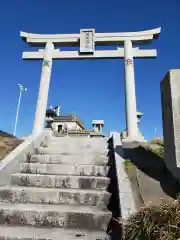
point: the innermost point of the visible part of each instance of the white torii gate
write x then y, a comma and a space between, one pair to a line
87, 40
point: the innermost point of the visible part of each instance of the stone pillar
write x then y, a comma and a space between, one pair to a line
100, 128
130, 94
58, 111
170, 100
43, 89
96, 129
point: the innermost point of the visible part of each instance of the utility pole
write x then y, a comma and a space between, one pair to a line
21, 89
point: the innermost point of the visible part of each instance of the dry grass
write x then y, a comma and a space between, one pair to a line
7, 144
157, 148
155, 223
160, 147
160, 152
158, 142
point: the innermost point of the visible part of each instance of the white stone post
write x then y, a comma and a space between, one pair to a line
43, 89
131, 118
58, 111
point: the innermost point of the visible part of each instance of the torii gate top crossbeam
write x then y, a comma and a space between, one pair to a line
101, 39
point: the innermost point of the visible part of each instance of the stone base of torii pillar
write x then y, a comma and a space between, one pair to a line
125, 138
139, 137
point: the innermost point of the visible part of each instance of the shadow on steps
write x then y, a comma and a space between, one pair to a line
114, 228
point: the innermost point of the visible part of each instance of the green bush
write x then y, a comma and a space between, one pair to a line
155, 223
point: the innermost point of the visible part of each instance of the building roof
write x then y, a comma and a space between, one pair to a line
68, 118
98, 122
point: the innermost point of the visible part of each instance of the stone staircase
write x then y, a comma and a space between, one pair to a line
60, 192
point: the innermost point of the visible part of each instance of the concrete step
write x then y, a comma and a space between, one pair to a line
60, 181
70, 159
67, 216
32, 233
71, 151
77, 140
58, 169
16, 194
83, 145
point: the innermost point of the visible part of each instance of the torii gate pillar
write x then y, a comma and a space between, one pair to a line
38, 126
130, 93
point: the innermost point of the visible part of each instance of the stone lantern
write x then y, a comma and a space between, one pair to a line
98, 125
139, 116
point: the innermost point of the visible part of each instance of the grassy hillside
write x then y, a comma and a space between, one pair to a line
7, 144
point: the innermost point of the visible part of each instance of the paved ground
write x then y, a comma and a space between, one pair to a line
151, 190
149, 187
154, 182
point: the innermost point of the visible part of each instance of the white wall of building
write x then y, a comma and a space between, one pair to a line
70, 125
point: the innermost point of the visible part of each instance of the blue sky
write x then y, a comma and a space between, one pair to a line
89, 89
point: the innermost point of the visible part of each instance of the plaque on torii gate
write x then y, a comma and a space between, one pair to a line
87, 40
